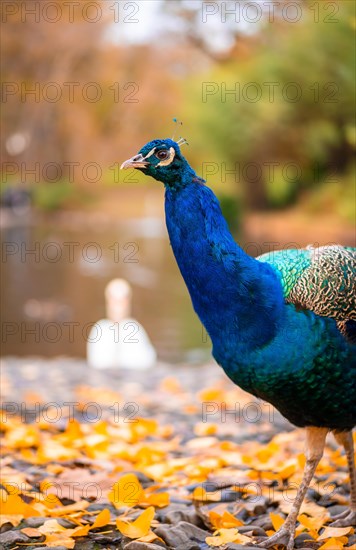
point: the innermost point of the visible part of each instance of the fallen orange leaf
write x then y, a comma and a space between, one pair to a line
170, 385
51, 526
56, 535
138, 528
65, 510
102, 519
287, 471
149, 538
334, 532
201, 494
22, 436
73, 430
226, 520
48, 498
127, 491
224, 536
312, 523
31, 532
332, 544
213, 395
60, 539
205, 428
80, 531
14, 505
13, 519
159, 500
277, 521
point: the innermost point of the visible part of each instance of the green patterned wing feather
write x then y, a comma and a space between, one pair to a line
321, 279
290, 264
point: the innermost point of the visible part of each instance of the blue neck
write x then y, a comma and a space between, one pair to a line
218, 273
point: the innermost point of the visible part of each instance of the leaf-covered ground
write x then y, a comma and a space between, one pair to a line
173, 458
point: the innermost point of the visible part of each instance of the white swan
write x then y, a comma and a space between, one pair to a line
119, 341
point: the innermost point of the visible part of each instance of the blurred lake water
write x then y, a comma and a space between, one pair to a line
55, 269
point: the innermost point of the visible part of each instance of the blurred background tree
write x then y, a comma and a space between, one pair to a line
294, 105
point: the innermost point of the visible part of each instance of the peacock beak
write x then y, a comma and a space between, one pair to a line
138, 161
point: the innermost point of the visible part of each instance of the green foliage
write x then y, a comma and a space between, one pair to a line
53, 196
306, 119
336, 193
281, 190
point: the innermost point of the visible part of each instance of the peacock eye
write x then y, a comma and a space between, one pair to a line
163, 154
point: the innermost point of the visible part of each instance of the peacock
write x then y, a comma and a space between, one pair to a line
282, 325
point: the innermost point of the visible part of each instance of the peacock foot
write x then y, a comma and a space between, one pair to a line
284, 535
346, 519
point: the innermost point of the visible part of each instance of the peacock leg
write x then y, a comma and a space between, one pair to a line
348, 517
315, 442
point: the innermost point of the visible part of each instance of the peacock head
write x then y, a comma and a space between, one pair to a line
162, 159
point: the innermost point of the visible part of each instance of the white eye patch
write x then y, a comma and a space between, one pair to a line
169, 160
150, 153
